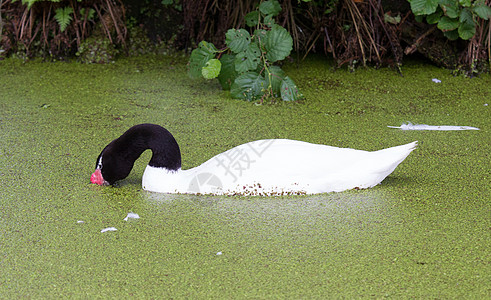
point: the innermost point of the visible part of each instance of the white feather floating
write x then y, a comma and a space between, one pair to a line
108, 229
411, 126
131, 215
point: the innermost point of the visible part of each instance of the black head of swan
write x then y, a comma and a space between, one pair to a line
117, 158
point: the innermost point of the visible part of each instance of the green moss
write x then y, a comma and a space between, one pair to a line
421, 234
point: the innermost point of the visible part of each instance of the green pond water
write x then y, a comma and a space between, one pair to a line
425, 232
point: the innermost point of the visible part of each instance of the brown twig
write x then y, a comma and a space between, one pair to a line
358, 34
330, 44
121, 36
417, 42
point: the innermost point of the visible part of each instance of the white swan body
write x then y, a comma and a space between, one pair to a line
265, 167
279, 167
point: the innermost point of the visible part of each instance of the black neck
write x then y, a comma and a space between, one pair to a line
165, 150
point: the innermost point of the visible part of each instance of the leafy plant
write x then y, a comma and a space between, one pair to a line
456, 18
89, 13
29, 2
246, 69
63, 17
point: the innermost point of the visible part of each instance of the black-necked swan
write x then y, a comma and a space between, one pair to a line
264, 167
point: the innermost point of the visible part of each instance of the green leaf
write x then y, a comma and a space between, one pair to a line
452, 12
211, 69
274, 78
270, 7
423, 7
289, 91
446, 23
392, 20
268, 21
483, 11
451, 35
227, 74
434, 17
199, 57
29, 2
90, 14
260, 36
465, 3
63, 17
278, 43
466, 30
252, 18
466, 17
249, 59
451, 8
237, 40
248, 86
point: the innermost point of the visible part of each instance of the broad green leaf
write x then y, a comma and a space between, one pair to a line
275, 78
447, 23
451, 8
465, 3
211, 69
483, 11
249, 59
423, 7
278, 43
260, 36
237, 40
63, 17
466, 16
289, 91
466, 30
434, 17
270, 7
227, 74
452, 12
199, 57
252, 18
248, 86
451, 35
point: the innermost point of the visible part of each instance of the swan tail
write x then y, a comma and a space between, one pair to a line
400, 150
390, 158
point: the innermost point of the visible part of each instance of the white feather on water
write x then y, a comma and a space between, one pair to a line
131, 215
411, 126
108, 229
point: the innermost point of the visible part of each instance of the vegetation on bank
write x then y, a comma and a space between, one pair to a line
455, 34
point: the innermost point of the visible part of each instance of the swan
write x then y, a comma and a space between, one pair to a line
264, 167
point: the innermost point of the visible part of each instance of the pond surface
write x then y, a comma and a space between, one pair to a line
423, 233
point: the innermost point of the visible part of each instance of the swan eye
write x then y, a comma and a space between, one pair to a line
99, 163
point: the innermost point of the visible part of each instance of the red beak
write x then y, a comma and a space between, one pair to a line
97, 178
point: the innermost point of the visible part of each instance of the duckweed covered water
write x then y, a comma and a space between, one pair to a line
423, 233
